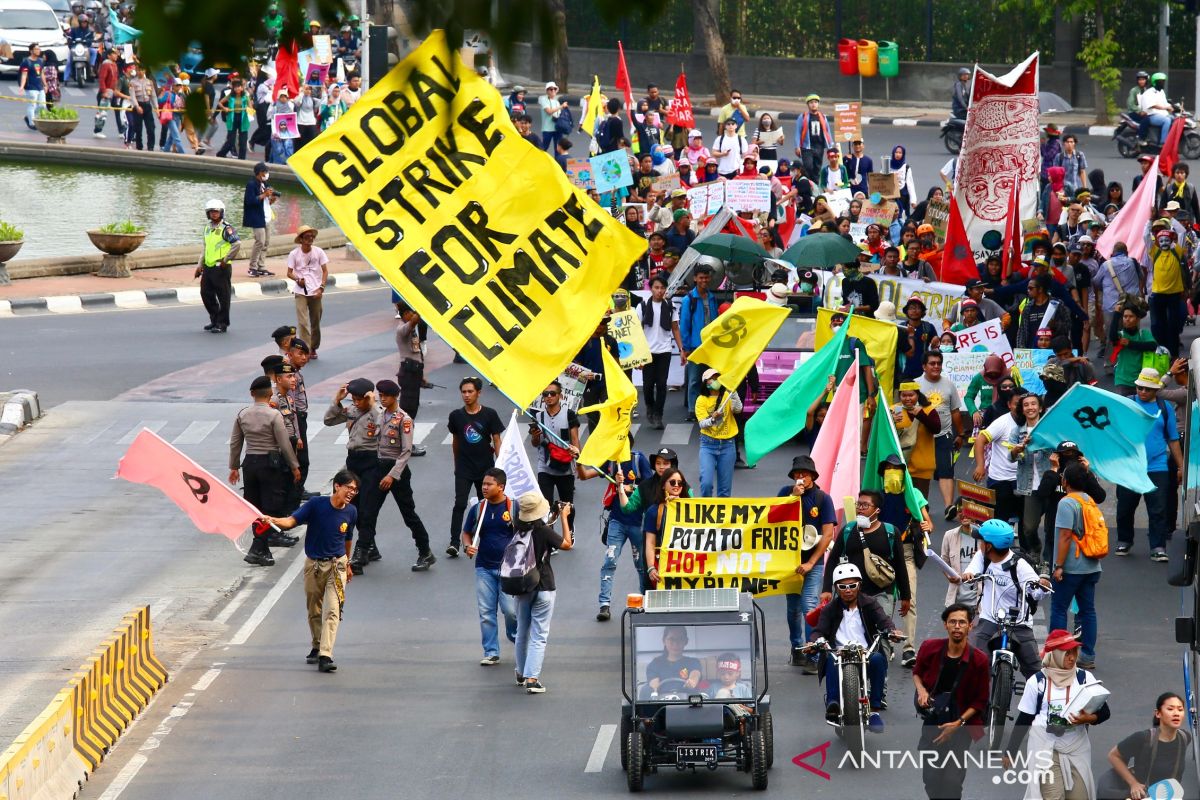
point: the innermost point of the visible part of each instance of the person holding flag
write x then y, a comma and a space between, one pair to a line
716, 411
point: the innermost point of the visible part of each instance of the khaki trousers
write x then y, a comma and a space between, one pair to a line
910, 621
322, 580
258, 255
308, 320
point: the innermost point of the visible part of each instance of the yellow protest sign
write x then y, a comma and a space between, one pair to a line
479, 231
752, 545
632, 347
878, 337
732, 342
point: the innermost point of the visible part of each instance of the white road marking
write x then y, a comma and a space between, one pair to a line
421, 430
233, 605
206, 680
604, 738
195, 433
343, 437
100, 433
677, 433
153, 425
158, 609
268, 602
125, 777
449, 438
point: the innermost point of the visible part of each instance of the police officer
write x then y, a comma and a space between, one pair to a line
269, 454
270, 364
298, 357
283, 336
395, 448
284, 377
215, 268
362, 419
411, 376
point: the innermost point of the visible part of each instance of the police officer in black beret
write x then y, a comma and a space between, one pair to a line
362, 420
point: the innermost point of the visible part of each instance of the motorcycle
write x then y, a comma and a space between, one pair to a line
81, 61
952, 134
1126, 138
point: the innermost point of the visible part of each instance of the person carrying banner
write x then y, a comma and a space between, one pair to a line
819, 521
411, 375
554, 425
699, 307
487, 530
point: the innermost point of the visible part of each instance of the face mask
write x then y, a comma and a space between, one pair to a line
893, 481
806, 287
862, 521
714, 386
266, 176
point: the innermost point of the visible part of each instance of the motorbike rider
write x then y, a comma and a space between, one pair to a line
1154, 104
347, 43
273, 21
995, 557
853, 618
1133, 107
83, 34
960, 97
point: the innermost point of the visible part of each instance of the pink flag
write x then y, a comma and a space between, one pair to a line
836, 451
1129, 225
211, 504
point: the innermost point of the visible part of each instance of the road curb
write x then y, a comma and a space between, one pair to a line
909, 122
183, 295
21, 407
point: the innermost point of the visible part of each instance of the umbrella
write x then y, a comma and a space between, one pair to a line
821, 250
731, 247
1049, 103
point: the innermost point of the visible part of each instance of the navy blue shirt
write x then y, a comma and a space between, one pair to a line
635, 469
253, 214
495, 534
816, 509
329, 528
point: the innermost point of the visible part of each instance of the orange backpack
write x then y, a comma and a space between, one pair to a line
1094, 542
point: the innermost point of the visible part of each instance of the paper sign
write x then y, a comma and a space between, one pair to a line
748, 195
579, 170
879, 213
285, 125
666, 184
960, 368
985, 337
698, 202
883, 183
716, 196
632, 348
858, 231
611, 171
847, 122
317, 74
572, 387
322, 49
937, 214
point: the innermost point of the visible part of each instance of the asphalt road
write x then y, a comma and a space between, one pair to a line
244, 717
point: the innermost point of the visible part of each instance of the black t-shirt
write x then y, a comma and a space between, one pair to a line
946, 678
861, 292
664, 670
1136, 747
474, 435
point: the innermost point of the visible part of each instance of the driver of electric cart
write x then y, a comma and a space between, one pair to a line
672, 663
729, 677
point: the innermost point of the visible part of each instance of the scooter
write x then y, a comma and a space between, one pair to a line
81, 62
1126, 138
952, 134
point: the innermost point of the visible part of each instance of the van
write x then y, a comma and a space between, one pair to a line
27, 22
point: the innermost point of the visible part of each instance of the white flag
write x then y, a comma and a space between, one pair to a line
515, 462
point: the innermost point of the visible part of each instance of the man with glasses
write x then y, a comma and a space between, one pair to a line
868, 536
733, 110
475, 430
327, 539
554, 425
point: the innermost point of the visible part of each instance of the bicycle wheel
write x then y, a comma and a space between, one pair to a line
853, 720
1001, 697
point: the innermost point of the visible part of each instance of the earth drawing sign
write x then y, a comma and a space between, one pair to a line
1000, 148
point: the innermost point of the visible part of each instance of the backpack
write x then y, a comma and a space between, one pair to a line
1040, 677
1094, 542
1030, 603
564, 123
519, 569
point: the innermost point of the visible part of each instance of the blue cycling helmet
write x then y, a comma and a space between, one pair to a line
997, 533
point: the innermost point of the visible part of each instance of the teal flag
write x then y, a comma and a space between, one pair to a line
883, 443
122, 33
1110, 430
782, 416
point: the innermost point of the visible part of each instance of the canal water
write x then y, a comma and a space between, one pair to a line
55, 205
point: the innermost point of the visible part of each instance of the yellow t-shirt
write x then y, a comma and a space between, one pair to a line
727, 428
1168, 272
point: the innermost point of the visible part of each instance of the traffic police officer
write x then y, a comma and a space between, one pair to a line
215, 268
395, 448
362, 420
269, 455
298, 358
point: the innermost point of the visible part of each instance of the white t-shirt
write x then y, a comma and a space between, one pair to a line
660, 341
307, 266
1053, 703
1006, 590
1001, 467
851, 630
944, 397
735, 148
1152, 97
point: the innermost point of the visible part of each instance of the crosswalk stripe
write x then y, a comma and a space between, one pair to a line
314, 431
449, 438
343, 437
100, 432
195, 433
154, 425
677, 433
421, 430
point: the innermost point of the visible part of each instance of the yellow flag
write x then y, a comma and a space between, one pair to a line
732, 342
878, 337
479, 231
610, 440
593, 108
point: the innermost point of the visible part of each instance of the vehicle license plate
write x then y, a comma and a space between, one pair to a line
695, 753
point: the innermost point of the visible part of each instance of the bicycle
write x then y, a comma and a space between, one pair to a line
1003, 660
851, 661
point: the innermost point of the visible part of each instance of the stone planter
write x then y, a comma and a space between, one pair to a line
8, 251
116, 246
55, 130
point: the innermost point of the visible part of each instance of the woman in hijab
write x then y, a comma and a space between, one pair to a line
854, 210
821, 211
710, 174
908, 189
633, 221
918, 214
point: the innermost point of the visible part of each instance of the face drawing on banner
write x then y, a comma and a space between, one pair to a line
1006, 153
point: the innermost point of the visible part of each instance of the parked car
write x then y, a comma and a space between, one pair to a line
26, 22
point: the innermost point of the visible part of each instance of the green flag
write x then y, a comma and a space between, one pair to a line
782, 416
883, 443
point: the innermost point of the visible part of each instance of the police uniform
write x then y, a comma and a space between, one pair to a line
395, 448
411, 376
269, 457
362, 458
299, 398
283, 404
221, 244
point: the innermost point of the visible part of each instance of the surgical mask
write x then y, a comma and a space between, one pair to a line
862, 521
714, 386
266, 177
806, 287
893, 481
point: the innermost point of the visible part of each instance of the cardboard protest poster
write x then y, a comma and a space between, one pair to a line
847, 122
579, 170
285, 125
883, 183
748, 195
666, 183
880, 213
317, 74
937, 214
611, 171
322, 49
632, 348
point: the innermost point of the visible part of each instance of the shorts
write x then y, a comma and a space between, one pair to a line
943, 451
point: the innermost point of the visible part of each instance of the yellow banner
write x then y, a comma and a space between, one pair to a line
480, 232
610, 440
752, 545
632, 347
732, 342
878, 337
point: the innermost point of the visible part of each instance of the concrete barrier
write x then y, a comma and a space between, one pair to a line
20, 408
54, 756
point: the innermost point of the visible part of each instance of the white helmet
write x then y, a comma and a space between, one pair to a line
846, 570
214, 205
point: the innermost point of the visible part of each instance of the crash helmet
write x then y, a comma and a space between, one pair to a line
1142, 74
1158, 80
214, 205
846, 571
997, 533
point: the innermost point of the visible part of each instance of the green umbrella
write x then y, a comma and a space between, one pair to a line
822, 250
731, 247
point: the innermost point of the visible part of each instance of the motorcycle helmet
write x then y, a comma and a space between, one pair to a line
997, 533
1158, 80
214, 205
964, 71
1141, 73
84, 18
846, 571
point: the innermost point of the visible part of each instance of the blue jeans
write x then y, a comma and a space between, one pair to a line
716, 464
876, 676
1080, 587
533, 628
174, 142
618, 533
799, 631
1162, 121
37, 101
1156, 511
487, 597
692, 374
550, 140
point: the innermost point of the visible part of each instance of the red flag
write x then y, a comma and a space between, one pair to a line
1170, 149
623, 79
287, 71
680, 112
211, 504
958, 260
1010, 255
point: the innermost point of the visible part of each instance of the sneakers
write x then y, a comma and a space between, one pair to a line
951, 512
373, 553
259, 273
798, 656
311, 658
259, 560
1123, 549
489, 661
604, 615
1158, 554
520, 678
452, 551
832, 712
418, 451
809, 667
99, 135
875, 722
424, 562
908, 658
325, 664
1088, 665
534, 687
